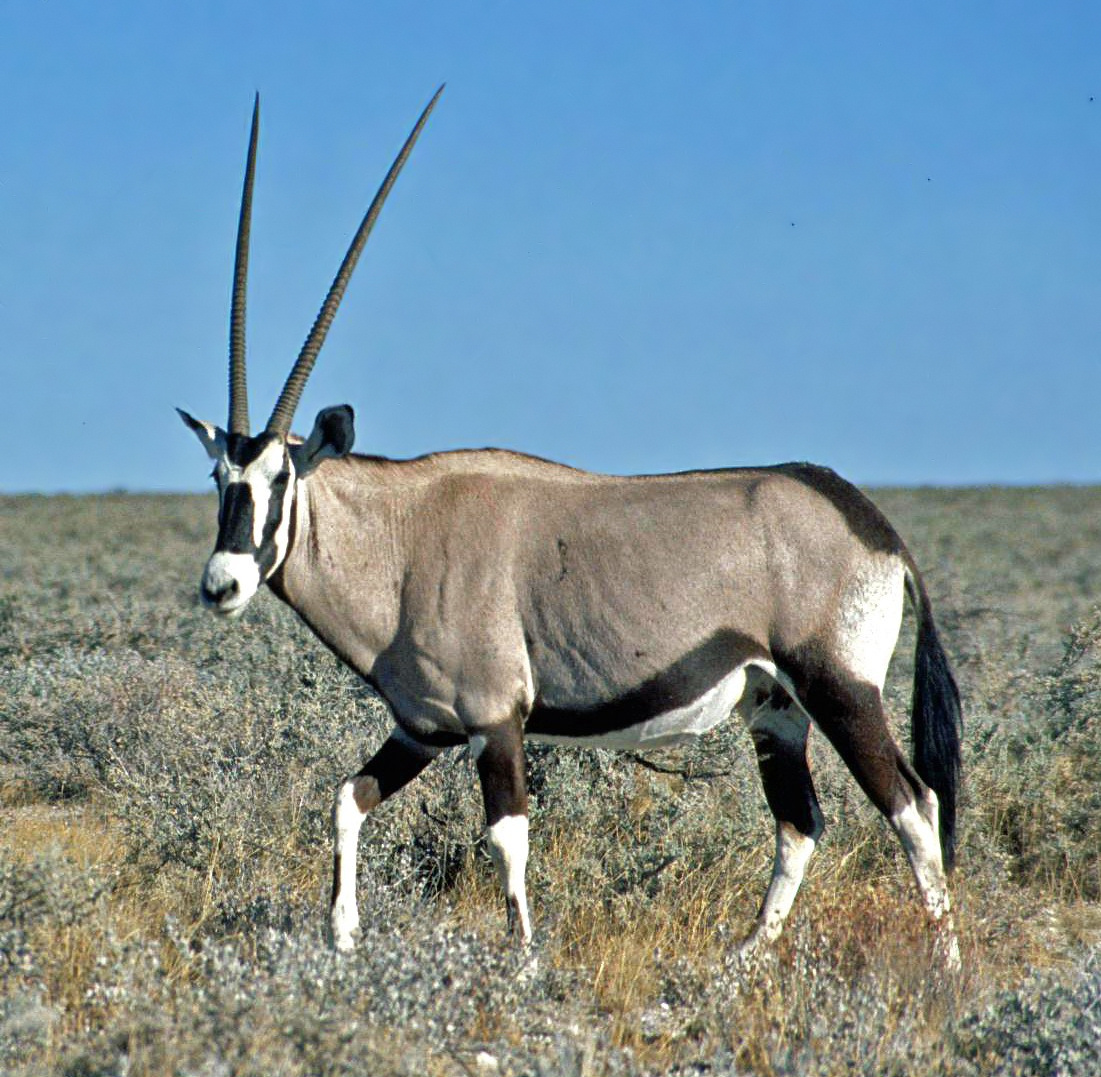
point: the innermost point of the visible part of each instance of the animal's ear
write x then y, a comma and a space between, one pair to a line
332, 435
212, 437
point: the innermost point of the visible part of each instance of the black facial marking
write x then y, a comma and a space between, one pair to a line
235, 519
681, 684
268, 550
243, 451
236, 447
237, 510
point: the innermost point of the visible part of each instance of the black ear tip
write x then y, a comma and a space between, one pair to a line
338, 427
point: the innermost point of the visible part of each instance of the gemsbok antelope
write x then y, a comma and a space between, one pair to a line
490, 596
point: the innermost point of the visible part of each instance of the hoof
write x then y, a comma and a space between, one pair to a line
528, 967
756, 945
948, 950
344, 932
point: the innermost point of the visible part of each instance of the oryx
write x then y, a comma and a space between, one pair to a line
491, 596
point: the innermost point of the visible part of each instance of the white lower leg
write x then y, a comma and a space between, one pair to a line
508, 845
917, 825
347, 820
793, 850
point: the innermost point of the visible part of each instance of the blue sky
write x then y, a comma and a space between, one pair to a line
633, 237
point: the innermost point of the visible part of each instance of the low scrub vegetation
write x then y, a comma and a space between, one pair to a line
165, 786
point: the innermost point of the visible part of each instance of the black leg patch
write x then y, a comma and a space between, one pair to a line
788, 786
501, 770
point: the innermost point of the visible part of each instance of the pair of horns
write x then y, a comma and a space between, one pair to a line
281, 416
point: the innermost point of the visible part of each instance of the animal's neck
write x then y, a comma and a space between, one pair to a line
343, 569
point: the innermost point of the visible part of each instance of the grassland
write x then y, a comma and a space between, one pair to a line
165, 783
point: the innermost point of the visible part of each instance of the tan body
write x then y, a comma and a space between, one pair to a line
467, 585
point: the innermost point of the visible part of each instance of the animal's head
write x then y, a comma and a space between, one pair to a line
257, 474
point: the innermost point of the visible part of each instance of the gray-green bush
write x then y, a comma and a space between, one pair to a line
166, 780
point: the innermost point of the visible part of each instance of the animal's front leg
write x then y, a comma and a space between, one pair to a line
398, 761
499, 753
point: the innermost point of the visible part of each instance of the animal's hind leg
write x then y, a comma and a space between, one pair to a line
780, 728
397, 762
850, 713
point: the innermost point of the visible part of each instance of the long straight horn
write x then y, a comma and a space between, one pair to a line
280, 421
238, 382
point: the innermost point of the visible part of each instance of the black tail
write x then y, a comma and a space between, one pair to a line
936, 719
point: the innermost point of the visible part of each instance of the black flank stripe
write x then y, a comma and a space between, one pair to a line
682, 683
